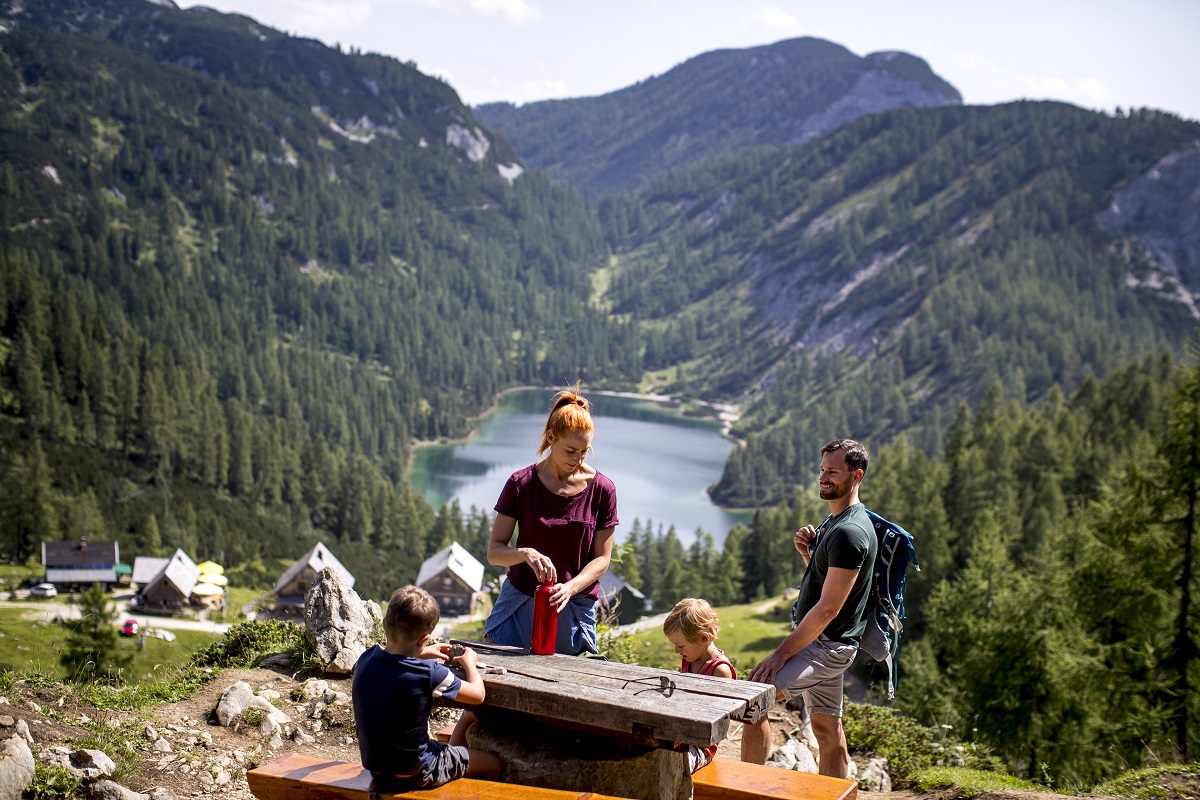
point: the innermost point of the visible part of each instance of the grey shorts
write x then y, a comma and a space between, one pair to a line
816, 674
449, 762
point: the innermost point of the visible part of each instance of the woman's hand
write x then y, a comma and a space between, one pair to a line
562, 594
542, 566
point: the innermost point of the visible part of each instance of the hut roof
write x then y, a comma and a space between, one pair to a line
315, 559
457, 560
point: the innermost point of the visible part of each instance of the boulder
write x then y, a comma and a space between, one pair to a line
337, 622
794, 755
875, 777
16, 768
111, 790
553, 758
239, 698
86, 764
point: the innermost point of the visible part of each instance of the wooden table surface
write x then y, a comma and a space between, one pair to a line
621, 700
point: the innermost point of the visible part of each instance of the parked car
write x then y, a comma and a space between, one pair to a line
44, 590
130, 628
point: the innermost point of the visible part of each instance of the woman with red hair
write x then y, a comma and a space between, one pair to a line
564, 514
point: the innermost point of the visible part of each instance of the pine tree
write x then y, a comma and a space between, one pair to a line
92, 649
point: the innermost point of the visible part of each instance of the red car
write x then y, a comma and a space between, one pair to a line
130, 628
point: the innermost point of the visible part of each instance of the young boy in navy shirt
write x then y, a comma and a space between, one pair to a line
393, 690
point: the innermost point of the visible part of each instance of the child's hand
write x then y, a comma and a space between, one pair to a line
468, 658
438, 651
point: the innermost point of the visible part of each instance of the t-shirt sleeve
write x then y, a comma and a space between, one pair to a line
607, 518
847, 548
509, 502
445, 683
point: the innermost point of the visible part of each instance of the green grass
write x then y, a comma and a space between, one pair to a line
29, 647
14, 574
1165, 782
747, 636
970, 782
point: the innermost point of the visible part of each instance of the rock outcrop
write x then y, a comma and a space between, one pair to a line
83, 763
16, 768
338, 623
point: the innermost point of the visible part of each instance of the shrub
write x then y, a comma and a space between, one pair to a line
53, 783
247, 642
907, 745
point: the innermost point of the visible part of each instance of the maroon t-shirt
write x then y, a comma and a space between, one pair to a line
560, 528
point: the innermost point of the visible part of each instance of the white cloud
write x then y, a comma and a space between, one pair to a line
775, 19
516, 10
984, 81
326, 20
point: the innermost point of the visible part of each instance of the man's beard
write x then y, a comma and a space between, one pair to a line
837, 491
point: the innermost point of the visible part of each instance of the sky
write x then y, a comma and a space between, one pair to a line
1098, 54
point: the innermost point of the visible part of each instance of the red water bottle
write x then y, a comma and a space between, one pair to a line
545, 622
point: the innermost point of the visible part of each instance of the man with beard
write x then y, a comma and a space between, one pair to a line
829, 616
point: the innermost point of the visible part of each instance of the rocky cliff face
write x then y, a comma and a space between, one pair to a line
880, 88
1159, 213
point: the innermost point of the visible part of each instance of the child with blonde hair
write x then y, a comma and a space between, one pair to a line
692, 628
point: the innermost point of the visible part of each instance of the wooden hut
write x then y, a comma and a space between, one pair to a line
454, 577
171, 588
81, 563
621, 599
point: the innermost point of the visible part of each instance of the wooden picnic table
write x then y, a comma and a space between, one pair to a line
657, 707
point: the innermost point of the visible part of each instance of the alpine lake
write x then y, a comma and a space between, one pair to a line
661, 460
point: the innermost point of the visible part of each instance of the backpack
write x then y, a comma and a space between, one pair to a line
885, 605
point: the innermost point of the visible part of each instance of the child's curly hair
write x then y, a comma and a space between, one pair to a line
694, 618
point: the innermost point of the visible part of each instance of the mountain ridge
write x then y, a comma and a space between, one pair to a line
711, 104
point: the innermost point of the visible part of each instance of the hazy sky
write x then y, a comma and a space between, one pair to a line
1097, 54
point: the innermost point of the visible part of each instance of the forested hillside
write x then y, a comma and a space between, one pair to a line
716, 103
874, 279
233, 292
1053, 618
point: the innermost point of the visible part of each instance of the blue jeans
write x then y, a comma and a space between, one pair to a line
511, 622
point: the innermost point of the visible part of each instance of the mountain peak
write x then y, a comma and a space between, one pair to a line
710, 105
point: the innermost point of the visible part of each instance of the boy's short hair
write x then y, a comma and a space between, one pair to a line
411, 613
692, 617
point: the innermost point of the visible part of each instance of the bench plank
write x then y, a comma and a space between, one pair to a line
296, 777
728, 779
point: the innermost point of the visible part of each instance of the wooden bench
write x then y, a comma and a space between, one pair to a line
296, 777
729, 779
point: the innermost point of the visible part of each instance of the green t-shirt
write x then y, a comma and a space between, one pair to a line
846, 541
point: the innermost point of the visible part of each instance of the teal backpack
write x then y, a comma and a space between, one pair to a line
885, 607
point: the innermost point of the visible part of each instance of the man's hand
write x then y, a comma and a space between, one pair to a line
803, 540
767, 669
